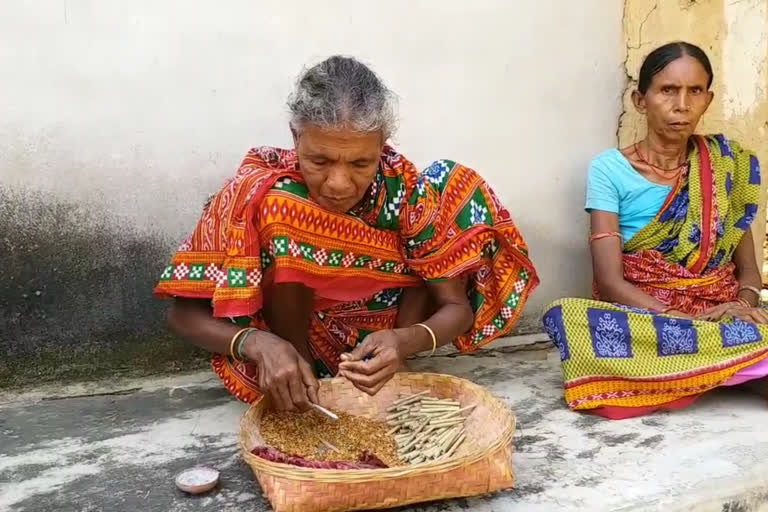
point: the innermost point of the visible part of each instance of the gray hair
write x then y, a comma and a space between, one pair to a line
343, 93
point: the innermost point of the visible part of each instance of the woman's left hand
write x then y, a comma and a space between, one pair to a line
383, 354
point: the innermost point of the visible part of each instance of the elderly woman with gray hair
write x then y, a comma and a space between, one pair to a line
339, 256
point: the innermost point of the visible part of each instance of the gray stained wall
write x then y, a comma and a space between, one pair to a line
75, 293
118, 119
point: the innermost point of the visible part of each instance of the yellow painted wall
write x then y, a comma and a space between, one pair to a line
735, 36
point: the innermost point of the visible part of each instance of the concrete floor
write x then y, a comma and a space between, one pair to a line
78, 448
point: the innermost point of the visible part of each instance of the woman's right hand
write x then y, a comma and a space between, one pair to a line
283, 373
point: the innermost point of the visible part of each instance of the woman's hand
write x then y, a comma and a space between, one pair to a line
716, 313
736, 310
283, 373
372, 363
749, 314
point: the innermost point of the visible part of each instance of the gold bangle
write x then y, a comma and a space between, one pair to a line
232, 344
434, 338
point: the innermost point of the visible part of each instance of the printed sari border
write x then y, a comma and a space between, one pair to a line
755, 357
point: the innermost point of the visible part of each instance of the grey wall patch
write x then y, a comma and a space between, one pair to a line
74, 279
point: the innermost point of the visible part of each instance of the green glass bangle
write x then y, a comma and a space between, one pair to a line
241, 342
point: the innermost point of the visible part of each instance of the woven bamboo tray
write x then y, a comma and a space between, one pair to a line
481, 465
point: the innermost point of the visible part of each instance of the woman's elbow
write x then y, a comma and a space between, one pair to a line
173, 317
467, 317
178, 315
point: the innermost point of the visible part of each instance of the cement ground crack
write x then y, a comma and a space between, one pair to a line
119, 392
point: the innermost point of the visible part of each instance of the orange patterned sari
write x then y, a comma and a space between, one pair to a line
263, 228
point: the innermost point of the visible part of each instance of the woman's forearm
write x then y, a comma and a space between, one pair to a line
448, 322
624, 292
750, 281
608, 265
191, 319
288, 312
747, 271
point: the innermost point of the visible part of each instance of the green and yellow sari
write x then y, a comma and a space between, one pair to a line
620, 361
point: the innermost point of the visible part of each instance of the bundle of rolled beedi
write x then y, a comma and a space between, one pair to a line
426, 428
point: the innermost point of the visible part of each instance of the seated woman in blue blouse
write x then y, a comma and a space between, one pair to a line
676, 278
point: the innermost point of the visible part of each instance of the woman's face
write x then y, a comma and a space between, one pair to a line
676, 99
338, 165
